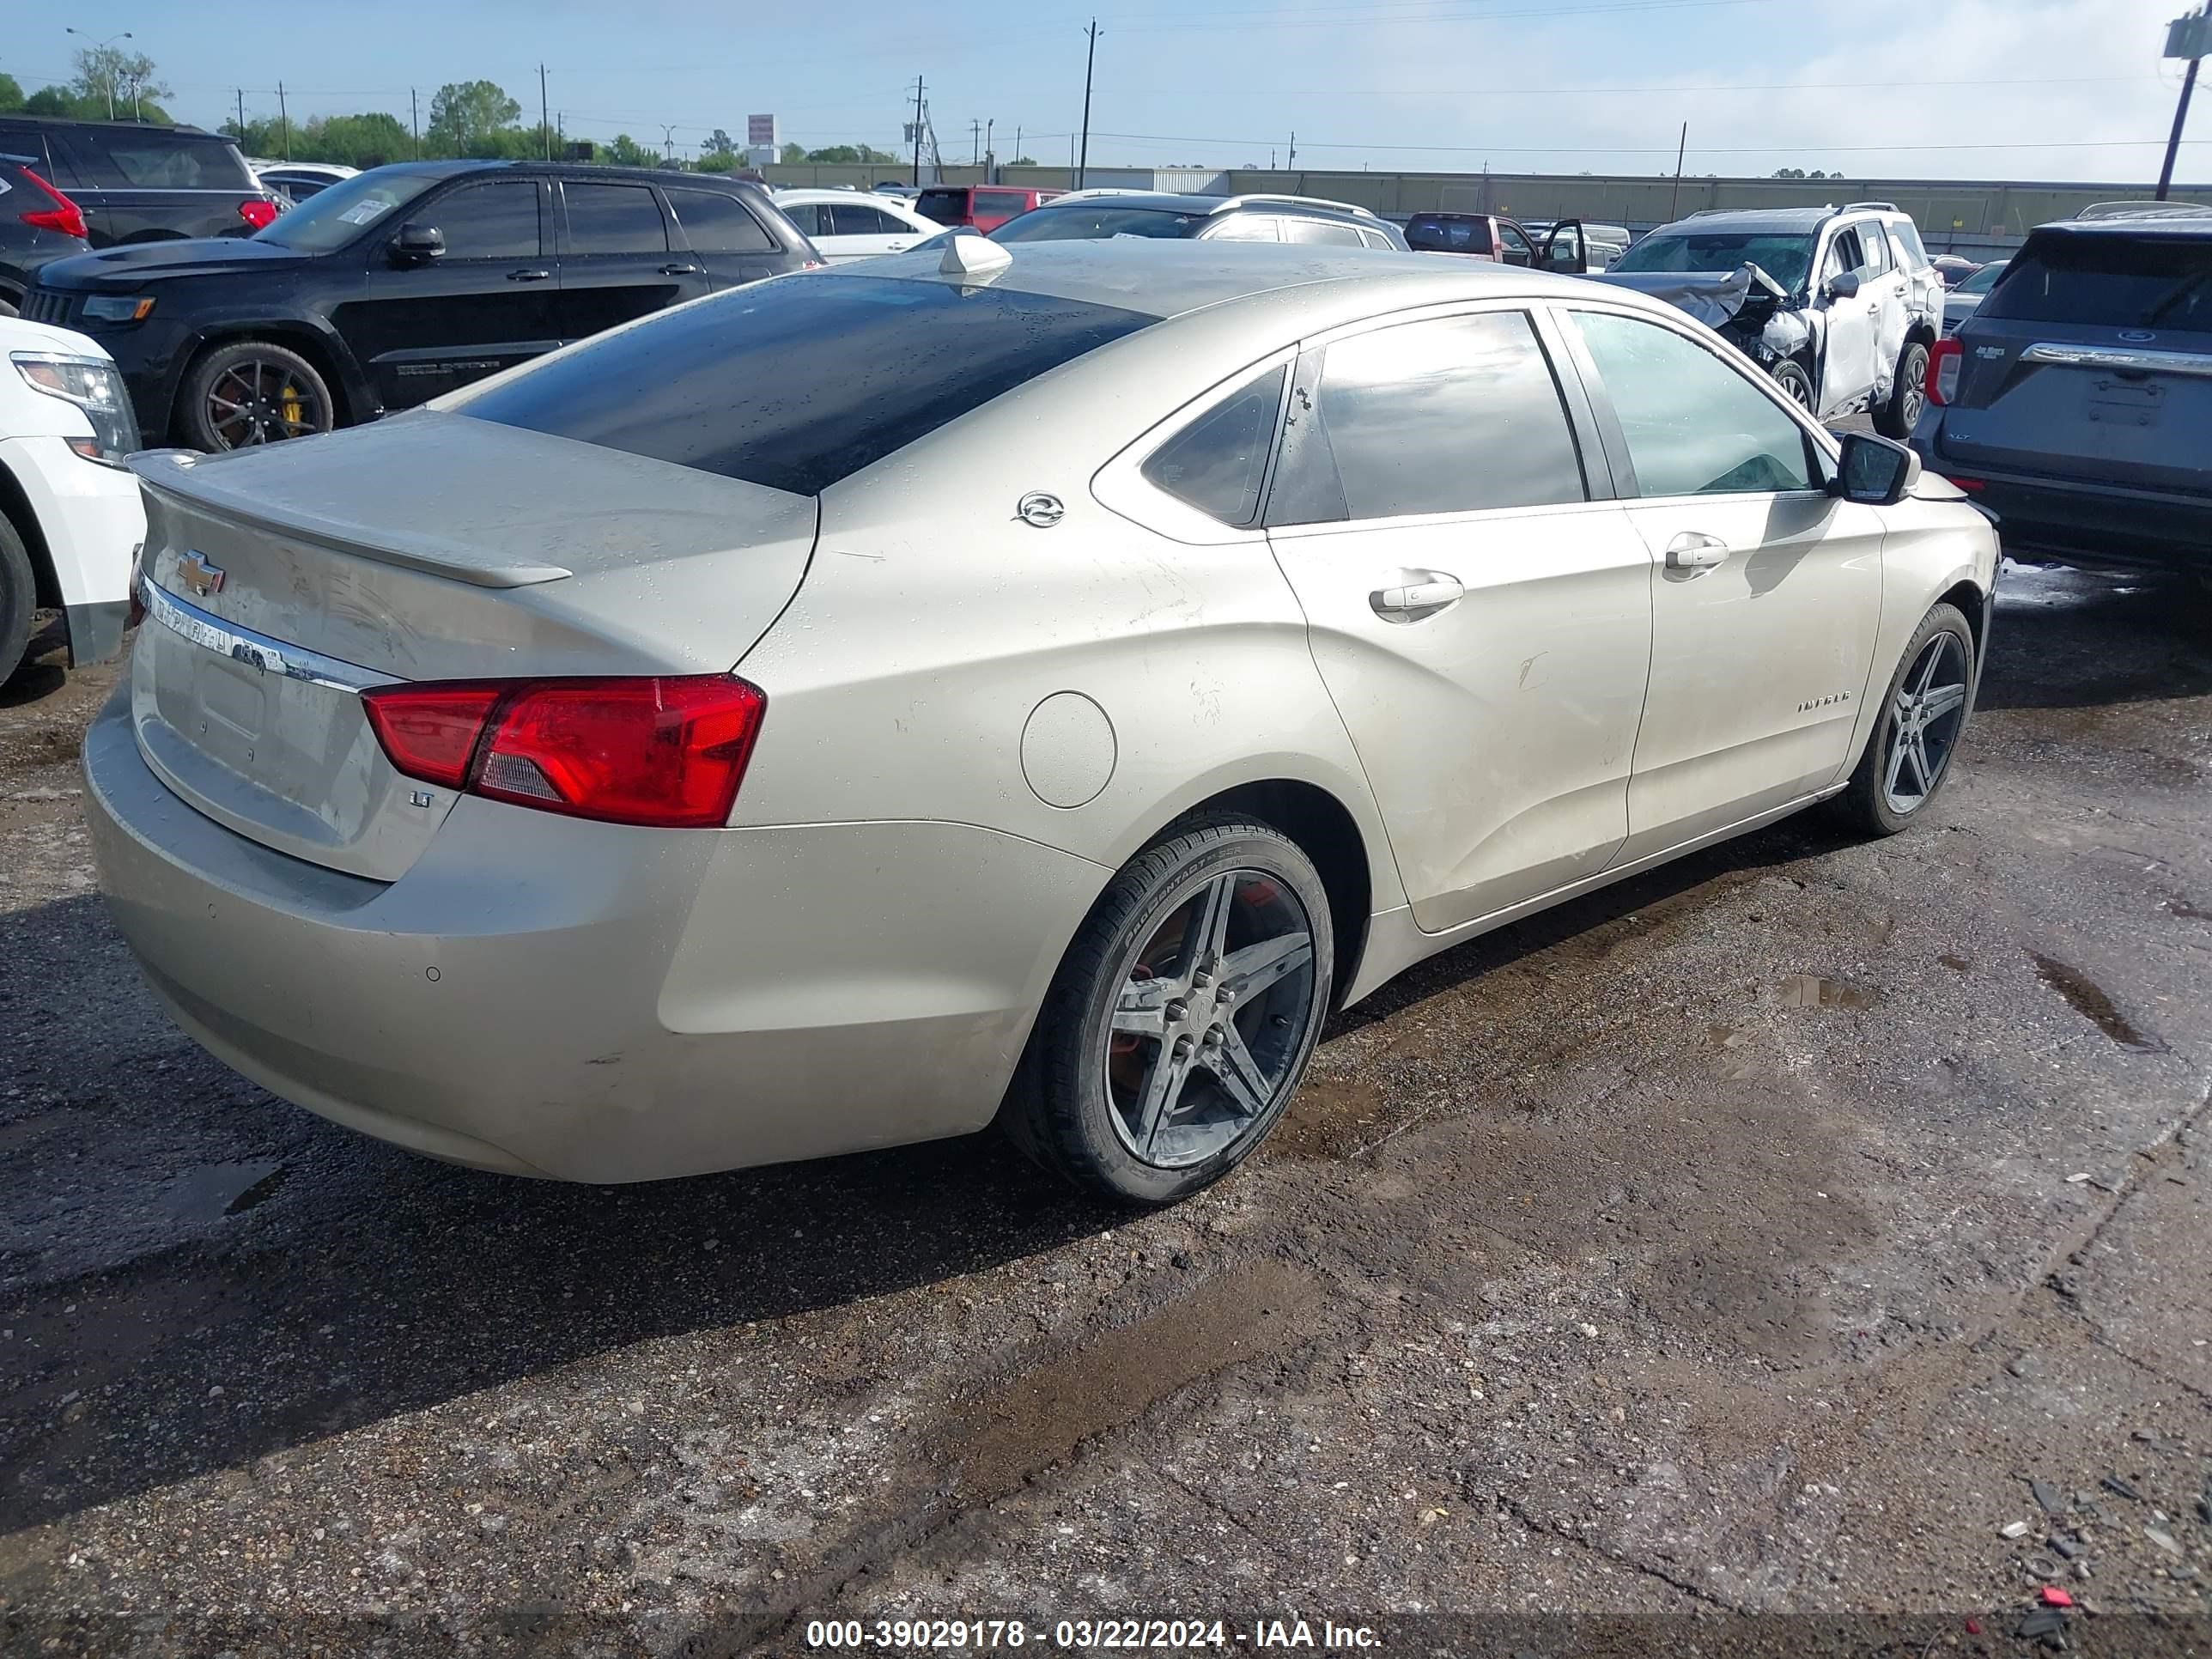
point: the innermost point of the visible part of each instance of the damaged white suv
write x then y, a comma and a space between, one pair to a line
1840, 305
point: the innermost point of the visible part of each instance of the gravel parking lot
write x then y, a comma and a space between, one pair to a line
1772, 1233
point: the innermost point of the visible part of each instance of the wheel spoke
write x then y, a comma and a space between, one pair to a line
1921, 768
1163, 1089
1142, 1006
1942, 700
1238, 1072
1210, 927
1253, 969
1899, 747
1928, 668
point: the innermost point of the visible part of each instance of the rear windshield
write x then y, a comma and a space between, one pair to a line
147, 158
2115, 281
1089, 221
1426, 233
947, 207
795, 383
1786, 256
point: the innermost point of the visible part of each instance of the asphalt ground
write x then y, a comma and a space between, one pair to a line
1735, 1255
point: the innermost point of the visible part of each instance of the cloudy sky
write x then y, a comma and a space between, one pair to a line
1961, 88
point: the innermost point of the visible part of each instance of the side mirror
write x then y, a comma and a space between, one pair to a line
417, 245
1844, 287
1874, 471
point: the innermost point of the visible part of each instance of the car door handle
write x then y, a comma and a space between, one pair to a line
532, 274
679, 271
1695, 550
1412, 601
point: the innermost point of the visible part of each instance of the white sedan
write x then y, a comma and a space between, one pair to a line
70, 522
846, 224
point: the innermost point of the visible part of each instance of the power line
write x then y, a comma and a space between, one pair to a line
1642, 150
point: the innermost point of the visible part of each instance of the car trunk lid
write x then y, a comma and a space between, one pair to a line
2090, 359
281, 582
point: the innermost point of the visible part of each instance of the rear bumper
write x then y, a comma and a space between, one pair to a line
543, 996
2110, 522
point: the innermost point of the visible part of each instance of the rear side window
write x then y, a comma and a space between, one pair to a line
716, 223
614, 219
797, 383
859, 219
1693, 424
1244, 227
947, 207
1428, 234
1008, 202
1911, 254
1321, 231
2108, 280
1449, 416
149, 159
1216, 462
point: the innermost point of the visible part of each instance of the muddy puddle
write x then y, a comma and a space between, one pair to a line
2089, 1000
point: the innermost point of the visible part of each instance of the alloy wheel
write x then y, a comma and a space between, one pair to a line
1925, 719
255, 401
1211, 1019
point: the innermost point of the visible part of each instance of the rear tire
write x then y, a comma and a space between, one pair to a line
1924, 711
1182, 1016
19, 597
250, 392
1908, 394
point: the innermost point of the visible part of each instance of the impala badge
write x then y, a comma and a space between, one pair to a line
196, 574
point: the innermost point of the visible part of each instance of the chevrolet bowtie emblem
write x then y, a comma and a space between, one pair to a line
196, 574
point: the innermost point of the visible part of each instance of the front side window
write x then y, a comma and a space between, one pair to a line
1843, 255
614, 219
493, 221
797, 383
1695, 425
1217, 463
812, 218
1450, 415
1517, 248
1874, 251
715, 223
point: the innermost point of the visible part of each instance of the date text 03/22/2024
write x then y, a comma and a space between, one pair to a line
1089, 1635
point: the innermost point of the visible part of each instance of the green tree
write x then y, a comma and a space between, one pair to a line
624, 151
720, 142
720, 161
56, 101
11, 92
114, 79
466, 116
1023, 161
793, 154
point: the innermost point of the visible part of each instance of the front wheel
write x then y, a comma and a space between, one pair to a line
1182, 1017
1791, 377
1923, 715
251, 392
1908, 394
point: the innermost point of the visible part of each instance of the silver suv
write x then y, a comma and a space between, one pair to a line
1840, 305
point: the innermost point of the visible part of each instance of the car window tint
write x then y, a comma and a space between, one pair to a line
1911, 252
1093, 221
1321, 231
812, 218
614, 219
1432, 234
1447, 416
131, 160
493, 221
2105, 279
1373, 238
947, 207
1513, 240
1843, 254
796, 383
1001, 201
1244, 227
1695, 425
716, 223
859, 219
1217, 461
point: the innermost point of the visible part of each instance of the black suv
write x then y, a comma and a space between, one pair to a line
38, 225
399, 283
2075, 403
1086, 215
144, 184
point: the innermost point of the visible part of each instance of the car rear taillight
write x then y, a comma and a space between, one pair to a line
257, 211
667, 752
64, 215
1945, 358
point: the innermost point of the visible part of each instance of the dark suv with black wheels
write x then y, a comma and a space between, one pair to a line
137, 183
396, 284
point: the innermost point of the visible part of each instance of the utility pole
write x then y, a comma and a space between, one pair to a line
1017, 143
103, 46
1090, 57
544, 121
1291, 162
668, 141
241, 113
415, 122
975, 141
917, 131
285, 117
1680, 150
990, 155
2186, 37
